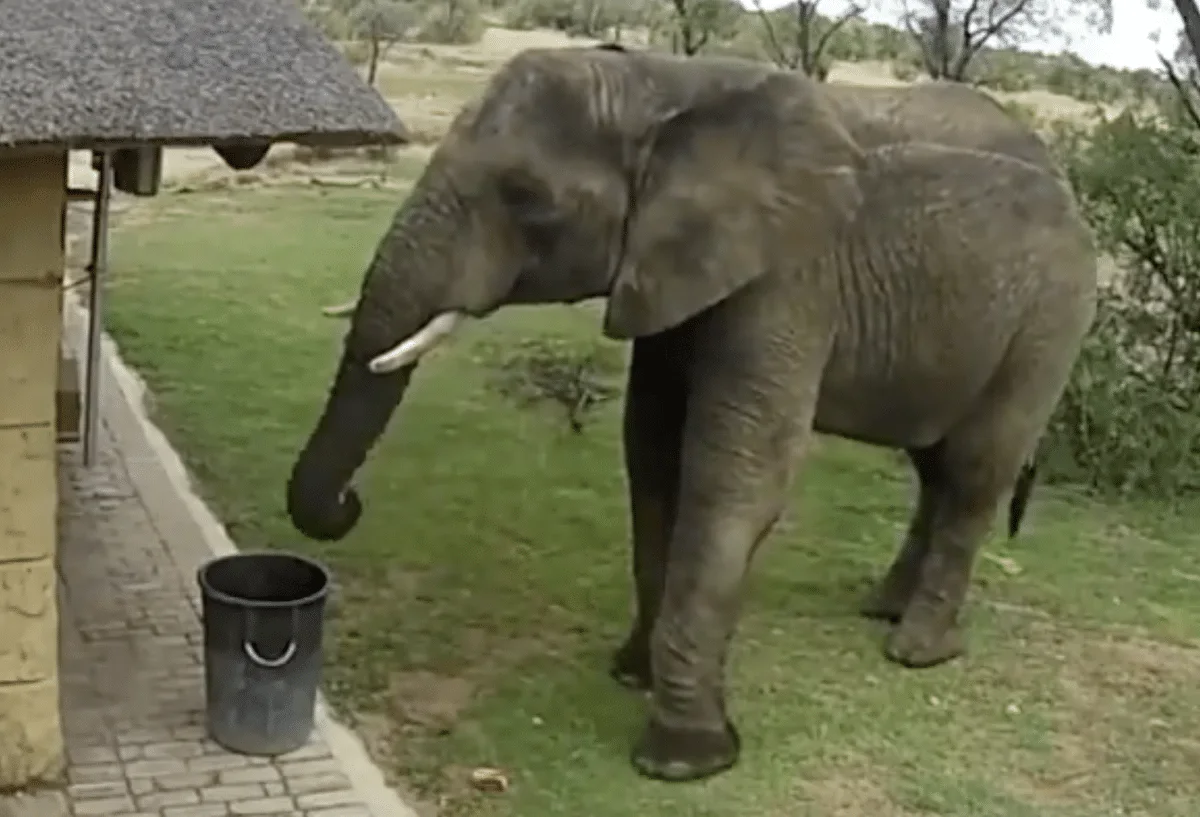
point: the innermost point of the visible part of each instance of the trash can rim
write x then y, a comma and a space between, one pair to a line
238, 601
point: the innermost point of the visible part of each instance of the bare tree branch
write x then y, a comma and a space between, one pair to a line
778, 55
1186, 95
803, 52
691, 44
952, 33
854, 11
964, 52
1191, 23
914, 29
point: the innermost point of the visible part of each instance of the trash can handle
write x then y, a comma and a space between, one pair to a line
289, 652
270, 663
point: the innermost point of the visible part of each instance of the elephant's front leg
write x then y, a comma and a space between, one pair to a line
741, 439
653, 431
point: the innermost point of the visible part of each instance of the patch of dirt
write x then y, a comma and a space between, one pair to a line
1114, 693
851, 795
429, 700
424, 704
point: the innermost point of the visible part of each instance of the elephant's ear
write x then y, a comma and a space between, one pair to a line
727, 190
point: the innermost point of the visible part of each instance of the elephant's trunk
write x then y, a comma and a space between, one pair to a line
404, 290
320, 501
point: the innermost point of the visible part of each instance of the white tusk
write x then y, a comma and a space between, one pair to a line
410, 350
341, 310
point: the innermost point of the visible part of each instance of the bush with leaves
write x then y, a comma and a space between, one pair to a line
1129, 421
1026, 114
578, 376
452, 22
905, 70
559, 15
378, 25
1006, 70
601, 19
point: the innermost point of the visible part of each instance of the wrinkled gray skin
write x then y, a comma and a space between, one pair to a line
947, 113
776, 279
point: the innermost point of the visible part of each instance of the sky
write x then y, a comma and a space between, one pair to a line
1130, 45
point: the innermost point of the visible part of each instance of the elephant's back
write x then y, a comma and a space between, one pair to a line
971, 238
954, 255
944, 113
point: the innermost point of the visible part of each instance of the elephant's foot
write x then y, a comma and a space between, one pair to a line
630, 665
923, 639
886, 601
681, 754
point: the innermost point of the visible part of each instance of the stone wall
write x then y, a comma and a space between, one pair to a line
32, 212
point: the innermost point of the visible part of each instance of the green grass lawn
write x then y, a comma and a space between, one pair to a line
487, 582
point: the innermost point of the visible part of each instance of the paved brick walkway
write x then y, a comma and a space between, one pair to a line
133, 687
131, 672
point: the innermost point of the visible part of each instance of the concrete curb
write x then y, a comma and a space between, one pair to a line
194, 533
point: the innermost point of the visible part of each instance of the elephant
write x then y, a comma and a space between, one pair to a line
776, 279
948, 113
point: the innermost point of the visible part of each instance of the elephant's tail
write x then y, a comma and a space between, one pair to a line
1022, 491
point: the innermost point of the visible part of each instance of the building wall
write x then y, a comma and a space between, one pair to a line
32, 206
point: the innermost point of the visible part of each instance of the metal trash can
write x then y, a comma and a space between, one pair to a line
264, 616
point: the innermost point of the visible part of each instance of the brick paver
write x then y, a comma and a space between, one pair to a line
132, 678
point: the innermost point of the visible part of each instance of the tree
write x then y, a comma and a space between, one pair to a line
1182, 70
451, 22
379, 24
325, 16
1130, 419
799, 42
1184, 60
596, 18
1191, 25
696, 21
622, 14
951, 33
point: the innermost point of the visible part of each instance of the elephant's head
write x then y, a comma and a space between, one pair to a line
659, 183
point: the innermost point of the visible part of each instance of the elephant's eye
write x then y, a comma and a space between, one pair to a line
541, 238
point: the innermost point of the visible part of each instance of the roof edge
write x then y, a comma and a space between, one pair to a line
400, 136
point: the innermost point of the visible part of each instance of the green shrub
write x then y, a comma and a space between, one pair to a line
905, 70
454, 22
1129, 421
559, 15
1022, 112
584, 18
1005, 73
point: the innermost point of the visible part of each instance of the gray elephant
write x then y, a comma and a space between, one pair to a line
776, 278
946, 113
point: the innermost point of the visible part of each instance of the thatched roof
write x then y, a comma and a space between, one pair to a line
105, 73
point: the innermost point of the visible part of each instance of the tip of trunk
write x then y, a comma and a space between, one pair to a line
323, 520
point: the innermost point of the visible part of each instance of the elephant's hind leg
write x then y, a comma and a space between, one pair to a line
889, 598
976, 465
929, 631
655, 403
